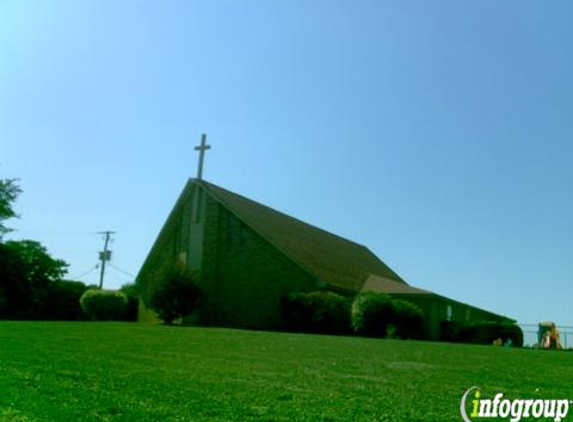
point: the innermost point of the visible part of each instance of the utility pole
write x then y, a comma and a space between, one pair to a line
105, 255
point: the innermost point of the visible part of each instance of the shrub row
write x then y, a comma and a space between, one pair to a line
369, 314
317, 312
376, 314
482, 332
63, 302
174, 294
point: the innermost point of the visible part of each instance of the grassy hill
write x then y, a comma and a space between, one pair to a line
135, 372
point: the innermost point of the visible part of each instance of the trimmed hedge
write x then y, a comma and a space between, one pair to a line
481, 332
316, 312
130, 291
409, 320
449, 331
104, 305
63, 302
372, 313
489, 331
378, 315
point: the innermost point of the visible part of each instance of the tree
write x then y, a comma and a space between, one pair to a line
174, 293
9, 191
28, 274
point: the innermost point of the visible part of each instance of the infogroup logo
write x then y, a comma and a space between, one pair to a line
514, 410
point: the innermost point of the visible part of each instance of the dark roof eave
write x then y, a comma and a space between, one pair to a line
447, 299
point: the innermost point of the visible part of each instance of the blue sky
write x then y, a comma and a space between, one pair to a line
439, 134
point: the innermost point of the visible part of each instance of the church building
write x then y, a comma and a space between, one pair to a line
249, 256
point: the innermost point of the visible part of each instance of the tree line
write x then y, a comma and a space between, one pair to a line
32, 283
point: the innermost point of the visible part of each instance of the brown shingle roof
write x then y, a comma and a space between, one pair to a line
331, 258
375, 283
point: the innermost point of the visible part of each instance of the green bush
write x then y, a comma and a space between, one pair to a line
63, 302
372, 313
377, 314
316, 312
488, 331
174, 293
409, 320
104, 305
130, 291
449, 331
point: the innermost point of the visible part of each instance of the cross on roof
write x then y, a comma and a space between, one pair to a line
202, 148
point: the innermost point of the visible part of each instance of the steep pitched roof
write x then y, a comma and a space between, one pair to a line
330, 258
375, 283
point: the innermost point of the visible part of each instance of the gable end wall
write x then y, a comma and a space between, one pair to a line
244, 277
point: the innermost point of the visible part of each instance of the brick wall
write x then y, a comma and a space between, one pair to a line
436, 310
166, 248
243, 276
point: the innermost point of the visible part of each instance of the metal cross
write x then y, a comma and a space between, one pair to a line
202, 148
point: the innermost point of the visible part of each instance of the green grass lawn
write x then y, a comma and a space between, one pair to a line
136, 372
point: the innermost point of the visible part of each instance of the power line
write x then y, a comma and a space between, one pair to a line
50, 233
120, 279
120, 270
86, 273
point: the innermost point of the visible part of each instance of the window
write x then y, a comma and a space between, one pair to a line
449, 312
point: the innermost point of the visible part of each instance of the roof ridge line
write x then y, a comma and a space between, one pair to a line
361, 260
259, 232
285, 214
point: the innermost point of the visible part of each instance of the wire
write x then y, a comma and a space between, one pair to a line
84, 274
120, 270
120, 279
49, 233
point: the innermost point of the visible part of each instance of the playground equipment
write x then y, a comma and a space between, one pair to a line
548, 336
